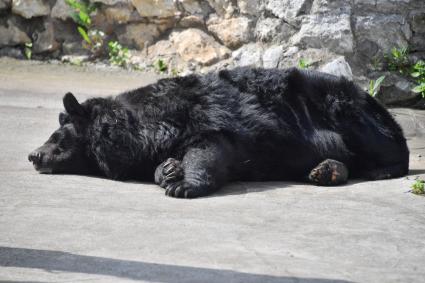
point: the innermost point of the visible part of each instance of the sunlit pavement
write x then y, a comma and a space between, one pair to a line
83, 229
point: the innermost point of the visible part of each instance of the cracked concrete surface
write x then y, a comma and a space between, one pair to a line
64, 228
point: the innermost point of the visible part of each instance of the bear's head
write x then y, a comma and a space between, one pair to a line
65, 150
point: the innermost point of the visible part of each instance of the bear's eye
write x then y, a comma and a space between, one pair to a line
54, 138
63, 118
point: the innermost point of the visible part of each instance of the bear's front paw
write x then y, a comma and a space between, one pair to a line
181, 190
168, 172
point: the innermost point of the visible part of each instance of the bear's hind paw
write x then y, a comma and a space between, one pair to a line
329, 173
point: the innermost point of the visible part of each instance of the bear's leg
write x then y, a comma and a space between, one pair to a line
168, 172
329, 173
203, 170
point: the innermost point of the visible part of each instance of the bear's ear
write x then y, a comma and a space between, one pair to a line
72, 106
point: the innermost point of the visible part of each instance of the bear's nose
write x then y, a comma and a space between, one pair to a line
35, 157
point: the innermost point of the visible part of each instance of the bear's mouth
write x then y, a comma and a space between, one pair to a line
43, 170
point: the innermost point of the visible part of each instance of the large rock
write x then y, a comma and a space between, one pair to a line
196, 46
5, 4
386, 31
395, 89
138, 35
314, 57
66, 33
61, 10
119, 14
288, 9
326, 6
44, 39
383, 6
249, 7
11, 34
331, 31
232, 32
273, 30
267, 29
110, 2
417, 43
338, 67
191, 7
13, 52
272, 56
30, 9
192, 21
223, 8
164, 23
73, 48
248, 55
418, 22
155, 8
161, 49
166, 51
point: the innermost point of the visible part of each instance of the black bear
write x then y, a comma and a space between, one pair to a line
193, 134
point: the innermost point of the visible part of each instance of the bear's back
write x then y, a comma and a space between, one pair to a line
248, 101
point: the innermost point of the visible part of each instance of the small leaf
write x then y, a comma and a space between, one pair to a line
85, 18
379, 81
418, 89
28, 53
83, 33
72, 3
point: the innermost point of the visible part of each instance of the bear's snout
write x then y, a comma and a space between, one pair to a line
35, 157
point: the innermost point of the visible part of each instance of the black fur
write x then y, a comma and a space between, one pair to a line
193, 134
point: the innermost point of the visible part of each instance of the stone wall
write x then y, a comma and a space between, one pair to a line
346, 37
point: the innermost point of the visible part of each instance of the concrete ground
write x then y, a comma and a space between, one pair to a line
67, 228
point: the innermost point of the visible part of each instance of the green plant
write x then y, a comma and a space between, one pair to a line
175, 72
161, 66
418, 72
96, 41
398, 60
376, 63
420, 89
82, 11
28, 50
118, 55
93, 38
418, 188
303, 64
375, 86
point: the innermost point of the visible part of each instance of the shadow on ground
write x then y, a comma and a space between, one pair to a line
239, 188
135, 270
413, 172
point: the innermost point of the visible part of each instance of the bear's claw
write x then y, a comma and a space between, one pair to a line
168, 172
180, 190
